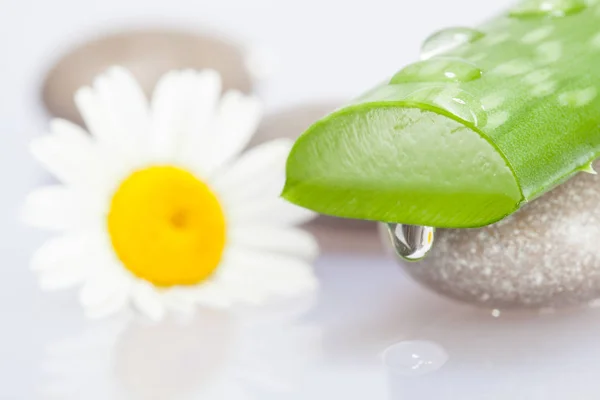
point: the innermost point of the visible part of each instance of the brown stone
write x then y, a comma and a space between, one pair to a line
545, 255
148, 54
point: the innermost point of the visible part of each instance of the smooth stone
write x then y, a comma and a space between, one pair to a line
335, 235
148, 54
545, 255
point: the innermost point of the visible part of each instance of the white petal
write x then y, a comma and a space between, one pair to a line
95, 292
244, 271
258, 173
167, 120
59, 208
130, 99
61, 278
97, 117
60, 252
68, 153
274, 211
183, 105
254, 294
127, 104
290, 241
180, 300
113, 304
146, 299
203, 90
235, 124
236, 287
106, 113
107, 288
208, 294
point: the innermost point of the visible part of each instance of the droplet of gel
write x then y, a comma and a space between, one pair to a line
447, 40
438, 70
411, 242
548, 8
415, 358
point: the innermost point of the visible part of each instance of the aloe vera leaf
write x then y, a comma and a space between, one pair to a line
470, 135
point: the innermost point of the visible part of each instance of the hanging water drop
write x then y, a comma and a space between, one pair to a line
448, 39
438, 70
411, 242
548, 8
415, 358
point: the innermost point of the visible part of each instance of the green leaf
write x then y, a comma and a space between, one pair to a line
469, 136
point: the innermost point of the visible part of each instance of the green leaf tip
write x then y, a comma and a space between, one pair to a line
400, 164
487, 121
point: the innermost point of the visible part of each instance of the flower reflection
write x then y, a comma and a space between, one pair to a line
216, 355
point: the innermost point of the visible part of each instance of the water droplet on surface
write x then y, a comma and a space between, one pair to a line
411, 242
438, 70
415, 358
453, 100
496, 313
448, 39
548, 8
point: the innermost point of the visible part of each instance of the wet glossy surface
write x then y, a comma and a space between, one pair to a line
413, 358
336, 347
453, 100
448, 39
548, 8
438, 70
411, 242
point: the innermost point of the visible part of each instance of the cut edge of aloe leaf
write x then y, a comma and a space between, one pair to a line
401, 162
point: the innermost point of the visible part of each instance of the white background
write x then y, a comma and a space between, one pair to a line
327, 49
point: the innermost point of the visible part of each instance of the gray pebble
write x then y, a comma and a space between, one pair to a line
545, 255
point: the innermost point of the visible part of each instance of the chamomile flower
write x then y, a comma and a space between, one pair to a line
159, 208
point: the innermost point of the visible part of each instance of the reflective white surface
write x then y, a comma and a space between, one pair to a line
332, 350
328, 349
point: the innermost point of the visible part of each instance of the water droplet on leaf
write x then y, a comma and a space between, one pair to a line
411, 242
453, 100
548, 8
448, 39
415, 358
438, 70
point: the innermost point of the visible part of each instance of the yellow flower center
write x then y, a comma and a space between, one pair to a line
166, 226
